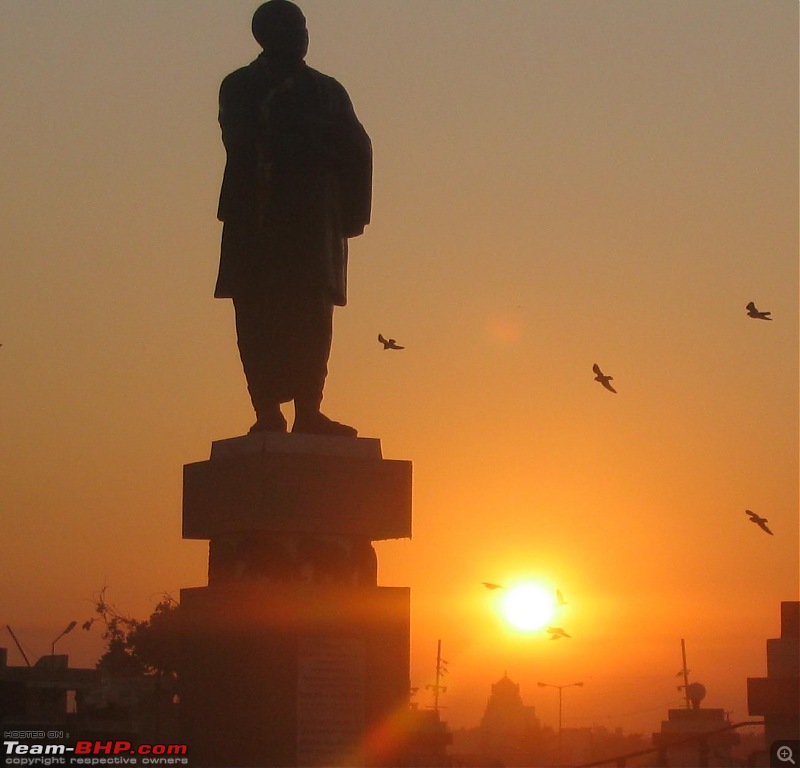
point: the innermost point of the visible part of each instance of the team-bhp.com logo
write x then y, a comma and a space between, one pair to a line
94, 753
125, 747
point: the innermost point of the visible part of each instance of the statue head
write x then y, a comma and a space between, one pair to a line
279, 27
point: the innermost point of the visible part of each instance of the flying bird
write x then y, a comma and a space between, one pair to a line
752, 311
560, 598
557, 633
389, 343
603, 379
761, 522
490, 585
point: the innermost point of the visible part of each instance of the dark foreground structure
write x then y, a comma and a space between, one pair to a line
777, 696
293, 655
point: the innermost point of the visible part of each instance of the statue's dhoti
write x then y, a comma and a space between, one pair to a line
284, 339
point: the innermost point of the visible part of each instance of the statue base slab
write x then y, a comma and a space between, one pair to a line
293, 655
294, 675
297, 483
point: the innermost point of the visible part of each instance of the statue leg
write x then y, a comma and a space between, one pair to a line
262, 349
313, 324
284, 338
312, 331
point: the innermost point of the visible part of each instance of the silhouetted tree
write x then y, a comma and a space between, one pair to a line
138, 647
155, 642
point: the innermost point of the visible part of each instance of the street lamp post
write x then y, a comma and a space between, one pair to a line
560, 689
69, 629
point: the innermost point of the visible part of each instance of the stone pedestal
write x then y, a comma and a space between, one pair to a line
292, 655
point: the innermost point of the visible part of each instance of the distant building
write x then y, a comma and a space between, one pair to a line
777, 696
510, 730
695, 721
46, 696
140, 708
52, 696
603, 744
427, 738
577, 745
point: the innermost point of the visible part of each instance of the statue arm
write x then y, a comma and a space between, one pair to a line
239, 136
354, 150
341, 140
235, 118
319, 123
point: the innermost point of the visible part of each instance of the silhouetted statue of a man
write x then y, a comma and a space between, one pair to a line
297, 184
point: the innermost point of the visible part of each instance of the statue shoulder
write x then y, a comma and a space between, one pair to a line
238, 80
325, 82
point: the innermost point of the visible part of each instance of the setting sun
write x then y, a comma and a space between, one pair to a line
529, 607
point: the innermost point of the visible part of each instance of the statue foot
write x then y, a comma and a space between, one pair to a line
319, 424
272, 422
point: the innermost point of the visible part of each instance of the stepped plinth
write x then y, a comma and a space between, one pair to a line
293, 655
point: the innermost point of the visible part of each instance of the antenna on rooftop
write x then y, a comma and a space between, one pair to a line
16, 642
441, 671
685, 674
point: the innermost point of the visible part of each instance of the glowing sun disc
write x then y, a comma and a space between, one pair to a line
528, 607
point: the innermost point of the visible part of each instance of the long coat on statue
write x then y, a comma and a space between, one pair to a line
297, 182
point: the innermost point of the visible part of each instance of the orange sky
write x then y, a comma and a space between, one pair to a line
558, 183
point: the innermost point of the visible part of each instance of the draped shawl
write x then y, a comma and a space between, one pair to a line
297, 181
